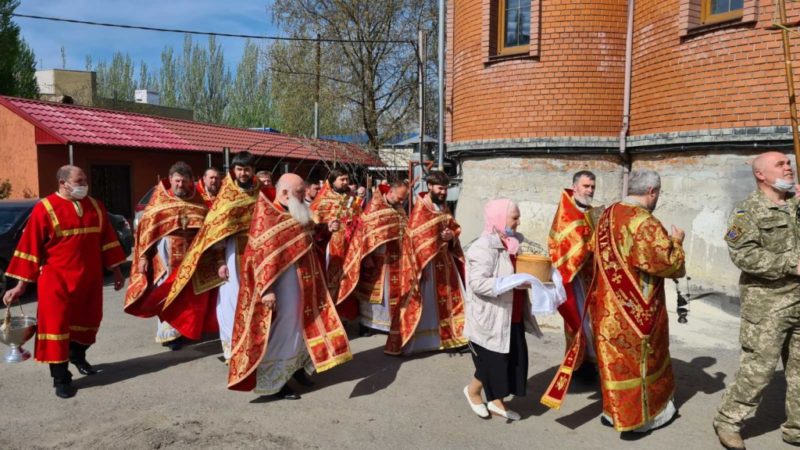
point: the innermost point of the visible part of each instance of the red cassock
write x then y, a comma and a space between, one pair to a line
64, 248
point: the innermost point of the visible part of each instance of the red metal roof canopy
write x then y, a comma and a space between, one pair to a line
73, 124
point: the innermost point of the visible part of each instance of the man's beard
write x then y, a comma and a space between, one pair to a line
181, 193
245, 184
299, 211
439, 199
342, 190
584, 201
213, 190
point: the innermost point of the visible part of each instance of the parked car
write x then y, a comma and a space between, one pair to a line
139, 209
14, 216
124, 232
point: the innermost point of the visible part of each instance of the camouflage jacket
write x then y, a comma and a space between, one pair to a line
763, 240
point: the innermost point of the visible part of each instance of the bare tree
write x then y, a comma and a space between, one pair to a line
375, 76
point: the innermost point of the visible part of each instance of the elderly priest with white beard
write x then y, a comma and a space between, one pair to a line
286, 324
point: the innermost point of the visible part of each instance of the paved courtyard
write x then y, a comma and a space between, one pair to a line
148, 398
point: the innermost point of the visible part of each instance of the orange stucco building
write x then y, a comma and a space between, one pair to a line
124, 154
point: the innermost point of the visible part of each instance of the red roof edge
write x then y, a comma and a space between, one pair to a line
52, 134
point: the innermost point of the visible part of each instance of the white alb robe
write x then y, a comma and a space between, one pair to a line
165, 332
228, 297
376, 315
286, 347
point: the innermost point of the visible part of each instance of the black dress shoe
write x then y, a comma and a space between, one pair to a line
586, 373
287, 393
175, 344
364, 331
84, 367
65, 390
301, 377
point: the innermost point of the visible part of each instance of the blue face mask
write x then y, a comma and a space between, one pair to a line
509, 231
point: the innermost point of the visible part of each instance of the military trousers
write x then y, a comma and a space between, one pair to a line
763, 344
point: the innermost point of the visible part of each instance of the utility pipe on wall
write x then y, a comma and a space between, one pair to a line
626, 101
421, 91
71, 155
441, 85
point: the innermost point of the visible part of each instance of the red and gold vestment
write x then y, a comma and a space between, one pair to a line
64, 248
380, 225
176, 221
447, 259
276, 243
569, 245
230, 215
633, 255
328, 206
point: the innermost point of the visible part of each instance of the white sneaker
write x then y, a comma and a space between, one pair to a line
508, 414
479, 409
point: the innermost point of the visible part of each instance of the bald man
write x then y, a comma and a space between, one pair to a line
286, 323
64, 248
762, 238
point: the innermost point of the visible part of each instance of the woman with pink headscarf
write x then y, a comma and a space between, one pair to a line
497, 316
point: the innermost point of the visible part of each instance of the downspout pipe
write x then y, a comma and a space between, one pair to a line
441, 63
626, 101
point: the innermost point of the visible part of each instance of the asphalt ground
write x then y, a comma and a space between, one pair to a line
147, 397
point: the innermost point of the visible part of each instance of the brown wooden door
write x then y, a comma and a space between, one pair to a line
111, 184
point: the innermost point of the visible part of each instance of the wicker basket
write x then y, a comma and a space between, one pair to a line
536, 265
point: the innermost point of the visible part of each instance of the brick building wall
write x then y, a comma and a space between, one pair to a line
688, 78
572, 87
705, 99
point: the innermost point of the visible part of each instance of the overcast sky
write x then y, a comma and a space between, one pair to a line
46, 37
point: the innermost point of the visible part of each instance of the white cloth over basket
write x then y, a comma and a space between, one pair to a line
545, 298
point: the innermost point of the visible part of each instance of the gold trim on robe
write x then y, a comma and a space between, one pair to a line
165, 214
425, 225
276, 243
230, 214
633, 255
328, 206
381, 224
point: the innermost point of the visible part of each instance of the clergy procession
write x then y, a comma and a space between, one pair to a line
286, 273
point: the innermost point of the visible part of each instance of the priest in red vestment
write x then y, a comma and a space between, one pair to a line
221, 241
633, 255
569, 244
165, 233
64, 248
209, 185
337, 208
286, 324
380, 268
434, 319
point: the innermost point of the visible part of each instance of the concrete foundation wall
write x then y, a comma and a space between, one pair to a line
535, 183
699, 190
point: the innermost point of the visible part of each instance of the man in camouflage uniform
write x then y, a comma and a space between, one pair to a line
762, 238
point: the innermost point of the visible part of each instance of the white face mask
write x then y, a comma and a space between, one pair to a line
782, 185
78, 192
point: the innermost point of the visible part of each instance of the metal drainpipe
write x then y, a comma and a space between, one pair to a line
441, 63
626, 102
